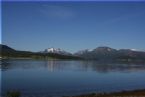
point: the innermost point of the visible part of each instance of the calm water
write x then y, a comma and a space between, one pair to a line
60, 78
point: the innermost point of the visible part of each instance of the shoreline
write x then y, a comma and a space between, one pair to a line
128, 93
31, 58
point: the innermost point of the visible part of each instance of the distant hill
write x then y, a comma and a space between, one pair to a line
5, 48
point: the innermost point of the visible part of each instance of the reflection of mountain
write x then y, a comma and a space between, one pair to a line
78, 66
58, 65
112, 67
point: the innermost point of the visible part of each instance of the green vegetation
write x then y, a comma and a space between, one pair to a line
13, 94
24, 54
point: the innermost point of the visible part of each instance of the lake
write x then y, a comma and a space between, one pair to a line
55, 78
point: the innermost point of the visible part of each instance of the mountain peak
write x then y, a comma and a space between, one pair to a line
56, 50
53, 50
104, 48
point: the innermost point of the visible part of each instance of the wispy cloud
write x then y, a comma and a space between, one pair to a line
123, 18
60, 12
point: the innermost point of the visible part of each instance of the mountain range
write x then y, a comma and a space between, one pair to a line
107, 53
99, 53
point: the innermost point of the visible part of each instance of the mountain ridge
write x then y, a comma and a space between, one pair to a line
110, 53
99, 53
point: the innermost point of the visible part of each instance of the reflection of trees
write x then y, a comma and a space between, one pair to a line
93, 66
5, 65
34, 64
109, 67
60, 65
21, 64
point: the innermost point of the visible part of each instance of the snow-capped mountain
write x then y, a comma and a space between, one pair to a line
57, 51
99, 49
106, 53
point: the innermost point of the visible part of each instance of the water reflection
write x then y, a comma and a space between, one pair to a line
54, 78
58, 65
110, 67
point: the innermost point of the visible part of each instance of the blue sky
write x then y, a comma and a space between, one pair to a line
73, 26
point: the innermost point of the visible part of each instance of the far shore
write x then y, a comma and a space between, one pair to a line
130, 93
55, 59
133, 93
